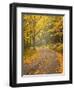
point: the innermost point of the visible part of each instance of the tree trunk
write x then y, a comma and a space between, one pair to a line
34, 39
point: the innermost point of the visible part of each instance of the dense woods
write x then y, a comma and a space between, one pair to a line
42, 43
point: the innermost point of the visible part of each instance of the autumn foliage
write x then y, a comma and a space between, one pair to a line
42, 44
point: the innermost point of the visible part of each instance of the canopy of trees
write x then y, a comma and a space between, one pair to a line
42, 31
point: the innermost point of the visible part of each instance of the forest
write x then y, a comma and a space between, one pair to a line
42, 44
